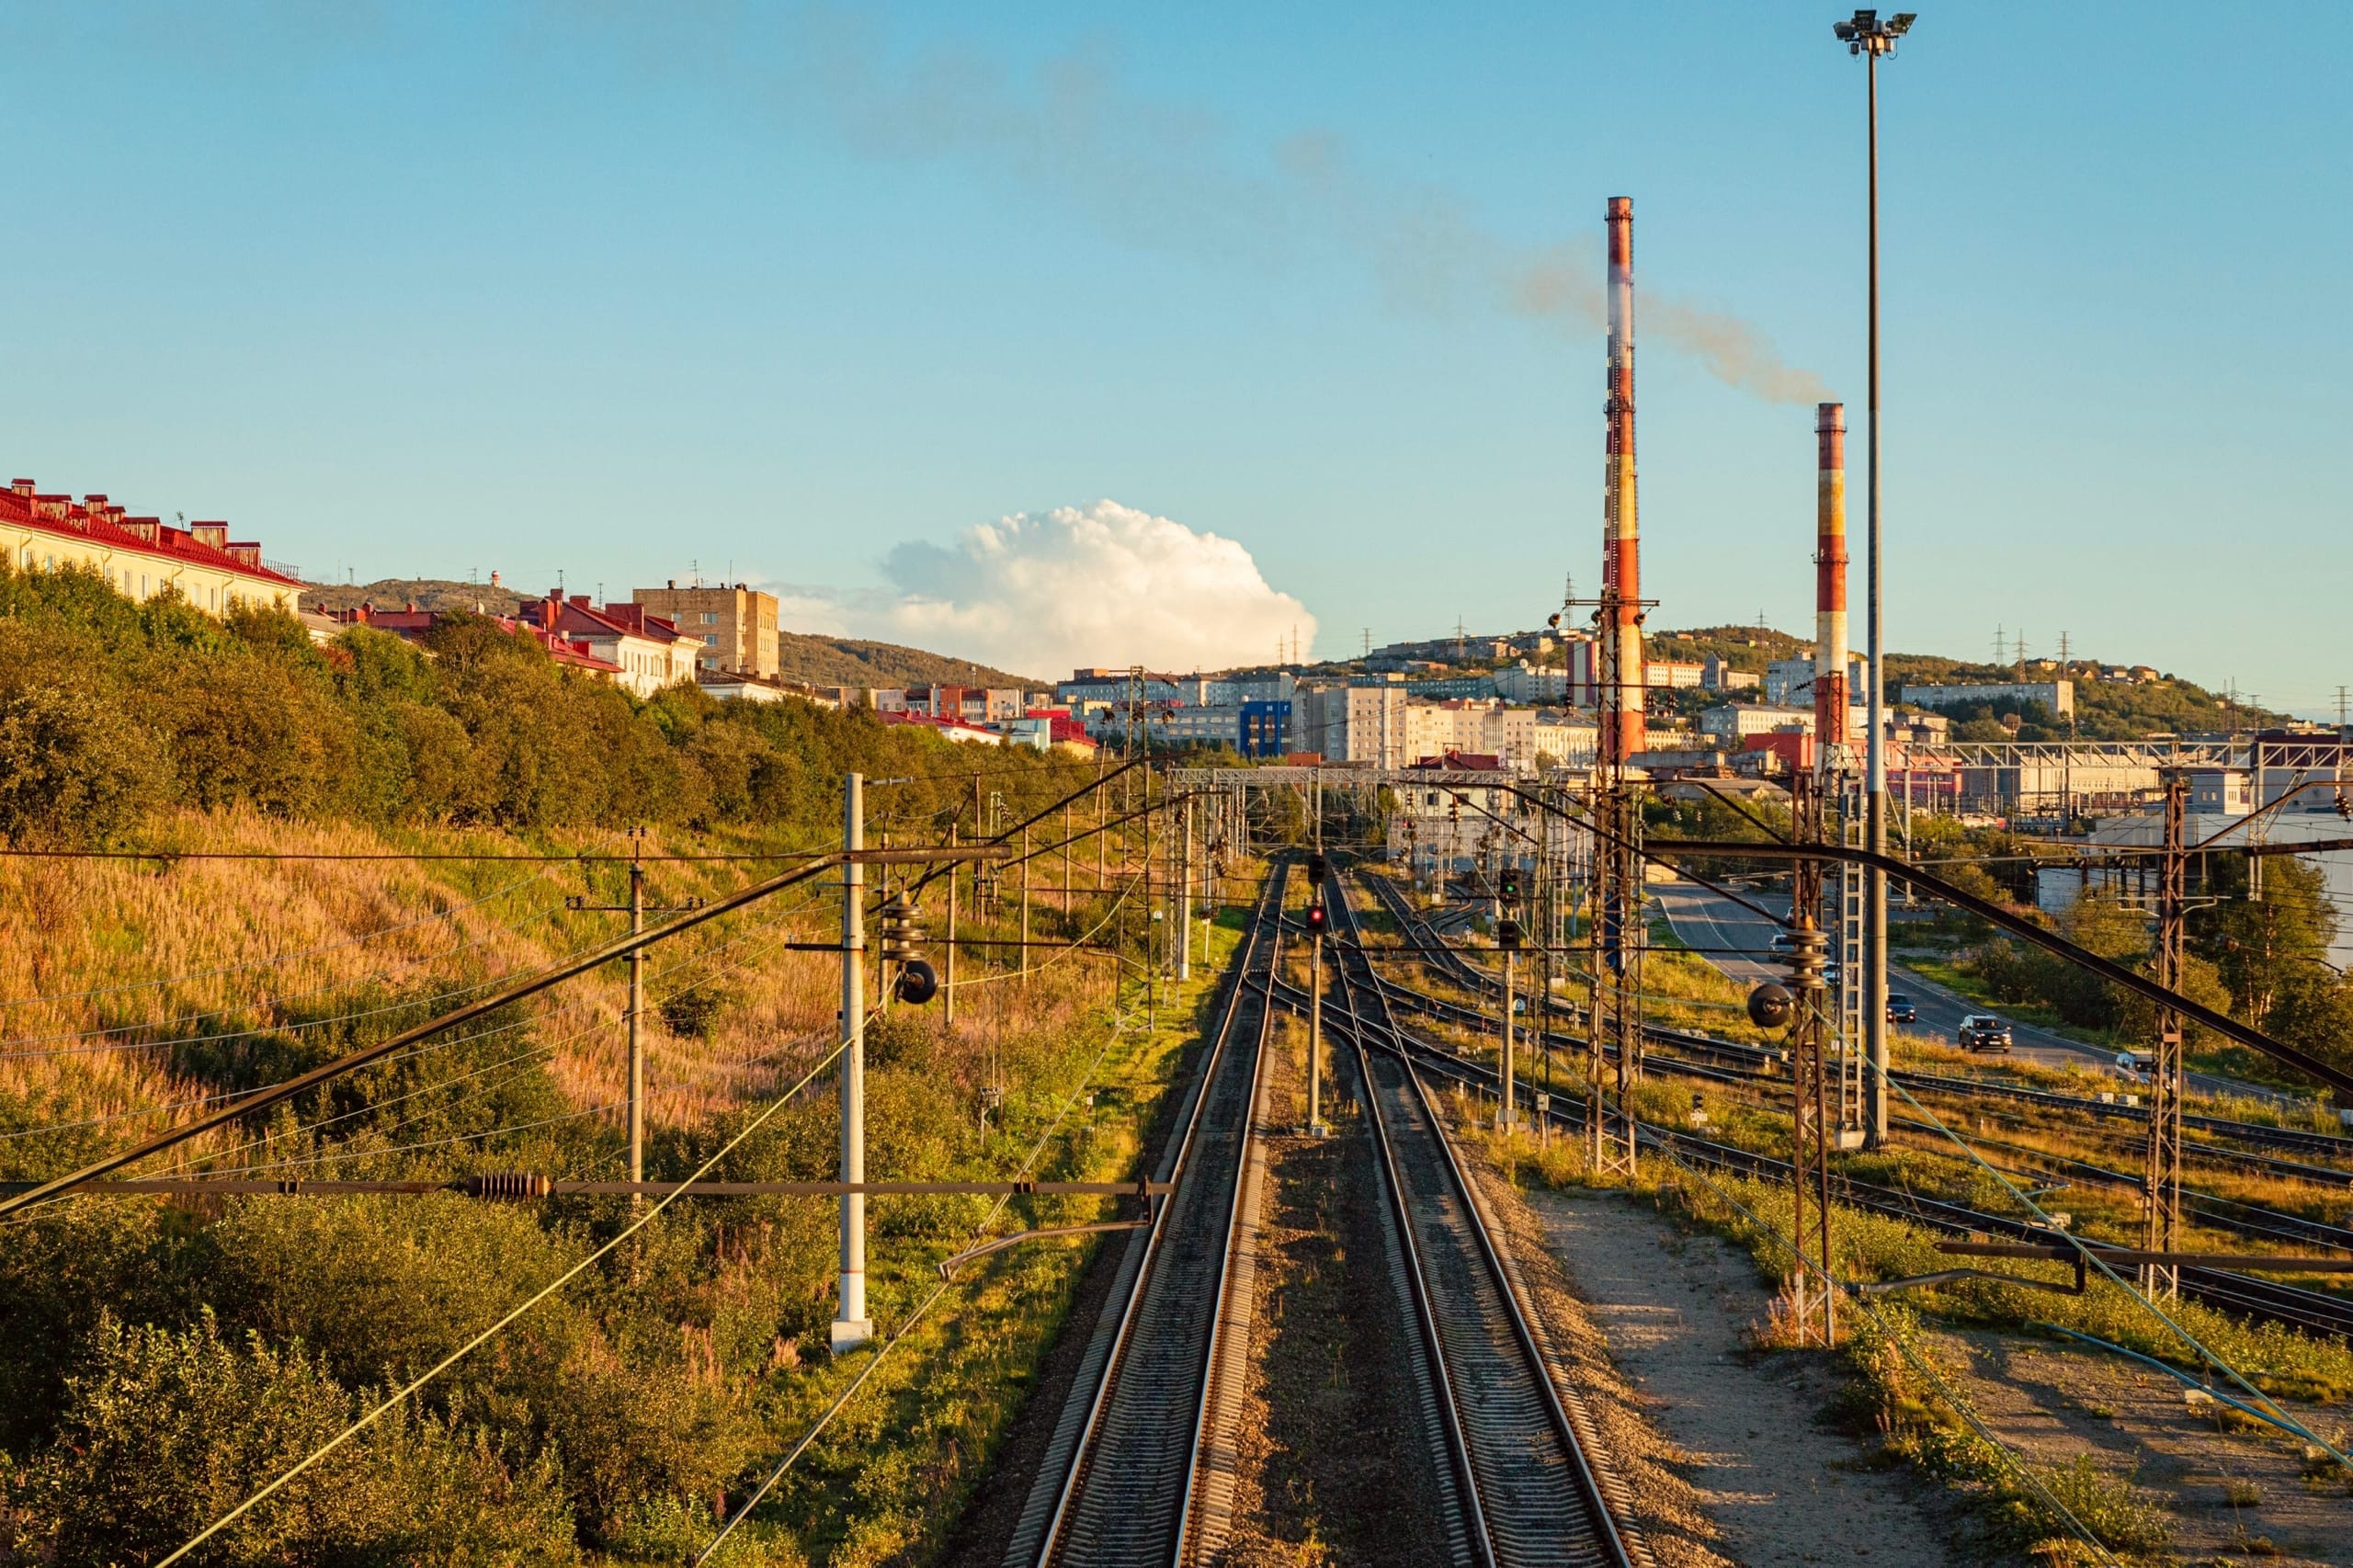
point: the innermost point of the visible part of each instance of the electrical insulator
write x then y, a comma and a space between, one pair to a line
1771, 1006
1318, 918
902, 933
1508, 934
903, 937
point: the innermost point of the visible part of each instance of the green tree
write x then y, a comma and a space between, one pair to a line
2262, 947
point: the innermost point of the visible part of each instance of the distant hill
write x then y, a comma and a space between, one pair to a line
823, 661
851, 661
430, 592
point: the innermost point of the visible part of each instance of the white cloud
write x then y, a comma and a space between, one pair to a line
1096, 584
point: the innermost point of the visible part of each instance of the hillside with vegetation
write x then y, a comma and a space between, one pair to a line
2105, 710
341, 842
817, 658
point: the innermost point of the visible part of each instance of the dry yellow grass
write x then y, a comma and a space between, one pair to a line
105, 963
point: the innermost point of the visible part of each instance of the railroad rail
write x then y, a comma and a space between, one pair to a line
1518, 1461
2261, 1134
1132, 1473
2318, 1312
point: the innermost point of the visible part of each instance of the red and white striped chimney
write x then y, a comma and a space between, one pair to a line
1830, 695
1622, 567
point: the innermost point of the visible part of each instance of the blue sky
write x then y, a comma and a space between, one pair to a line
612, 290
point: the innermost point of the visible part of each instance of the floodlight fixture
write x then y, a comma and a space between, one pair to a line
1866, 34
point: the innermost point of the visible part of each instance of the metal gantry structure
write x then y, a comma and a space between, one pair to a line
1813, 1131
2161, 1198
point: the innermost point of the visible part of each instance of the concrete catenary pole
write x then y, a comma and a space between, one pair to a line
1507, 1106
852, 1326
1621, 570
636, 1016
1185, 902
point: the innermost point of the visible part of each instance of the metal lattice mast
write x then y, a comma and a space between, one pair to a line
1811, 1133
2161, 1196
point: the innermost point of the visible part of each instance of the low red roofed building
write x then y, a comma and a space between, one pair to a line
947, 729
410, 624
140, 557
648, 651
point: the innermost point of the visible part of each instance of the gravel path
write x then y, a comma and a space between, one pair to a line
1677, 1309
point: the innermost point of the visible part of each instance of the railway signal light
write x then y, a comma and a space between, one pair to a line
1315, 869
1507, 885
1318, 919
1508, 934
918, 983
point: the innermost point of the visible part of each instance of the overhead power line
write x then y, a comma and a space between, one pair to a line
619, 946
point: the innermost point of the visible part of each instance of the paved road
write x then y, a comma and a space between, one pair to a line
1708, 920
1705, 919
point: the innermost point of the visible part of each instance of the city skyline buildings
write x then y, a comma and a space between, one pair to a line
444, 290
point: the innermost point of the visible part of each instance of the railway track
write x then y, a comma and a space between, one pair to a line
1521, 1482
2315, 1311
1139, 1468
2259, 1134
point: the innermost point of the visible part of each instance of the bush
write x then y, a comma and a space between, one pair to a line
73, 766
379, 1287
168, 1431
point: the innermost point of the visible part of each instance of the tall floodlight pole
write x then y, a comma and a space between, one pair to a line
1868, 35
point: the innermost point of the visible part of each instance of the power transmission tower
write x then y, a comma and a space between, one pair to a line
2161, 1196
1615, 1031
1810, 1131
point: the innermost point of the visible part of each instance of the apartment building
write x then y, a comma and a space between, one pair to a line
140, 557
736, 626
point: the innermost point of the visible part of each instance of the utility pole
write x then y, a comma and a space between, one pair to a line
2161, 1199
637, 910
1025, 903
636, 1014
947, 987
1868, 35
852, 1326
1317, 918
1151, 973
1185, 904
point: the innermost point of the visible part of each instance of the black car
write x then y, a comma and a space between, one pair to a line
1900, 1009
1983, 1031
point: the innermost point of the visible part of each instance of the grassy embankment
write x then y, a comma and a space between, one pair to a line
610, 1423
